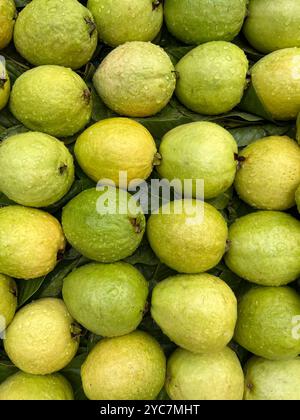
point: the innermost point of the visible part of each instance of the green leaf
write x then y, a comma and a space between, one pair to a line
221, 201
22, 3
246, 135
6, 369
27, 289
72, 373
12, 131
143, 255
252, 104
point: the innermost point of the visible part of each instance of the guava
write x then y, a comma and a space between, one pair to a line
136, 79
8, 301
4, 83
51, 99
36, 169
269, 173
24, 386
43, 337
264, 248
7, 20
128, 20
212, 78
105, 225
213, 376
297, 196
198, 312
188, 235
61, 32
267, 322
199, 21
273, 25
31, 242
114, 145
272, 380
199, 151
131, 367
107, 299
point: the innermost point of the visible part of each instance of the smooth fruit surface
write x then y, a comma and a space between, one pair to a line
131, 367
8, 301
4, 84
197, 312
7, 21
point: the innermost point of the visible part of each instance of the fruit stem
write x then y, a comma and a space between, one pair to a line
91, 24
156, 4
63, 168
87, 96
157, 159
136, 224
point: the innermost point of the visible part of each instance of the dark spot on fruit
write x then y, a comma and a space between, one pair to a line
176, 74
156, 4
146, 308
136, 224
3, 80
228, 244
87, 96
239, 159
62, 169
14, 291
91, 24
250, 386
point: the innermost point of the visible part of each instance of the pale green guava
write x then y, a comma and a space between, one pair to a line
199, 151
8, 301
188, 235
36, 169
137, 79
273, 25
7, 21
31, 242
42, 338
131, 367
213, 376
267, 324
4, 83
61, 32
264, 248
107, 299
198, 312
199, 21
272, 380
51, 99
269, 173
212, 78
127, 20
24, 386
104, 234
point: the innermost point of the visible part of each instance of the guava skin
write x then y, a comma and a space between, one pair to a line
199, 150
137, 79
269, 173
212, 78
197, 312
272, 380
101, 236
61, 32
266, 320
4, 84
45, 174
265, 248
24, 386
107, 299
200, 229
51, 99
31, 242
132, 367
276, 81
7, 20
216, 376
113, 145
42, 337
273, 25
8, 301
128, 20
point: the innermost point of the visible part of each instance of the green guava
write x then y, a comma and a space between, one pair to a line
31, 242
7, 20
267, 323
188, 235
105, 226
8, 301
132, 367
273, 25
199, 151
212, 78
61, 32
199, 21
297, 196
114, 145
136, 79
213, 376
264, 248
4, 83
198, 312
272, 380
107, 299
42, 338
269, 173
51, 99
24, 386
36, 169
128, 20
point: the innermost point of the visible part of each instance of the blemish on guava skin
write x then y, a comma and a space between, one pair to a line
250, 386
91, 24
87, 96
62, 169
239, 159
3, 80
14, 291
136, 224
176, 74
156, 4
228, 245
